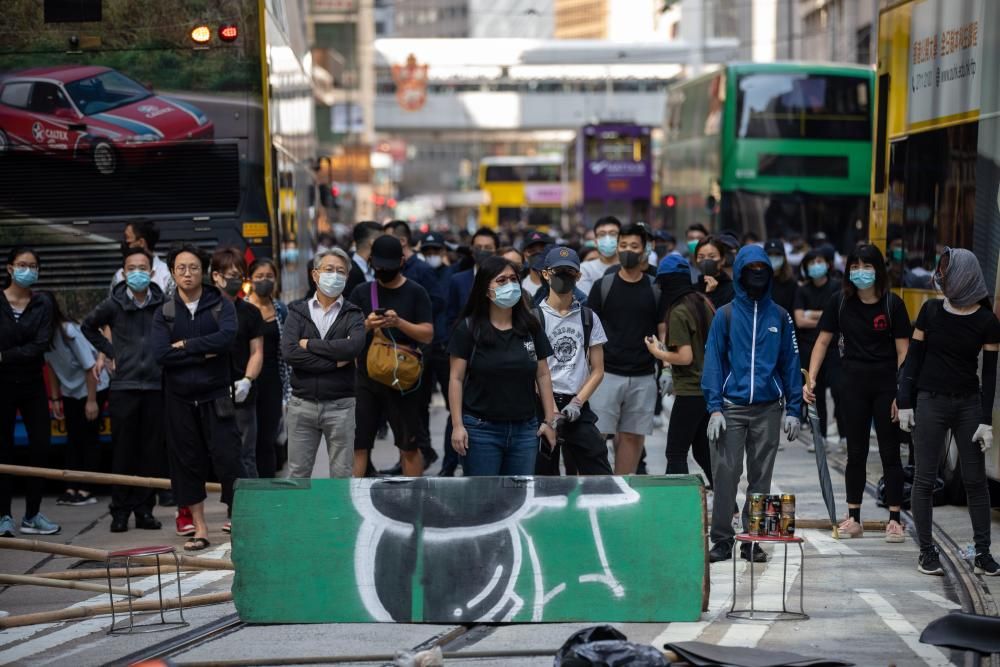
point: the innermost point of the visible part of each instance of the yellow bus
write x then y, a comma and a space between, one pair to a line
936, 149
520, 188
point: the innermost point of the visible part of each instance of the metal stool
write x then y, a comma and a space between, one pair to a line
760, 614
128, 555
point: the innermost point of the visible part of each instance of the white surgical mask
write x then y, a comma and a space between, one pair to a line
434, 261
332, 284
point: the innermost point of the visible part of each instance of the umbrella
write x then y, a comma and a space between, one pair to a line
825, 485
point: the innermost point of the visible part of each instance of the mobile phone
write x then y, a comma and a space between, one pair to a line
380, 312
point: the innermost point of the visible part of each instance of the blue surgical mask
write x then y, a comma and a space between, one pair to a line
817, 270
507, 295
692, 246
776, 262
332, 284
24, 277
607, 245
138, 280
863, 278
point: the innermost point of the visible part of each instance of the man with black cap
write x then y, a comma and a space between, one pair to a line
535, 244
401, 309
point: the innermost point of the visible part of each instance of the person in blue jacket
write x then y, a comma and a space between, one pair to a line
751, 372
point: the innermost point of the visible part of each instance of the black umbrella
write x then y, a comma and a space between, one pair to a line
819, 440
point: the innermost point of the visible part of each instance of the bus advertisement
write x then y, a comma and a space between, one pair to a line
936, 153
611, 163
779, 149
521, 190
187, 114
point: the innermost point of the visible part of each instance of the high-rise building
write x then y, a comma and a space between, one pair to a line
473, 18
625, 20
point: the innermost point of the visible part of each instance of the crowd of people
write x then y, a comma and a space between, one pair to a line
543, 352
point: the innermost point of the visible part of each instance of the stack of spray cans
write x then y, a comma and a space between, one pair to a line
772, 515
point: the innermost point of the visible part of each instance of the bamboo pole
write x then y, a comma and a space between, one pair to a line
74, 476
27, 580
821, 524
98, 610
118, 572
100, 555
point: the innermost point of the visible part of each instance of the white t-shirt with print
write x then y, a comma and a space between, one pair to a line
568, 363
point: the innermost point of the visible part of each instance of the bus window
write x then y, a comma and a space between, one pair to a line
798, 106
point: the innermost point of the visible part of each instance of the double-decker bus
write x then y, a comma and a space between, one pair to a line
611, 170
936, 155
773, 148
522, 189
194, 114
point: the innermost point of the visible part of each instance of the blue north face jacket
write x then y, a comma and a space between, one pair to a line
751, 355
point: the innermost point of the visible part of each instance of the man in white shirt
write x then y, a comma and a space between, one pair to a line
606, 236
320, 340
144, 234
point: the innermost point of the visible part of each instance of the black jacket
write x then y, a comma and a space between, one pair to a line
316, 373
131, 327
199, 371
23, 342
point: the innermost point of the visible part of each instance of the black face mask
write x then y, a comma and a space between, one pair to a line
755, 282
480, 256
661, 251
562, 283
522, 272
233, 286
263, 288
708, 267
386, 275
629, 259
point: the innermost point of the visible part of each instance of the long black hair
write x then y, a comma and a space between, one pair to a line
59, 319
866, 253
477, 308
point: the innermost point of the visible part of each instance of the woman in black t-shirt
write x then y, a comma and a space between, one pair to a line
498, 352
874, 331
941, 370
714, 282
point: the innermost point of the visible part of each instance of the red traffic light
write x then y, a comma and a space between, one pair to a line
228, 33
670, 201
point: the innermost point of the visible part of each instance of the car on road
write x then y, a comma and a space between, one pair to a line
94, 113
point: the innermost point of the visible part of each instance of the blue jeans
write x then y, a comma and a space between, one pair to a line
500, 448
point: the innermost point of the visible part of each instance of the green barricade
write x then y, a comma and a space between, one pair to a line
477, 549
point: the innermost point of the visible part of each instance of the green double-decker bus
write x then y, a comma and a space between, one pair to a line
778, 149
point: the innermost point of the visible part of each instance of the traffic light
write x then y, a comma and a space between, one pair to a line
669, 206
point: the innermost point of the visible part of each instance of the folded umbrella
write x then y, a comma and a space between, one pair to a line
825, 485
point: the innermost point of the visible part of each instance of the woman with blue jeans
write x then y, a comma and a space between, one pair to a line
498, 361
941, 373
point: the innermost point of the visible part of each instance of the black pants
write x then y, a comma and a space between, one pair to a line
198, 441
82, 436
137, 446
374, 401
30, 399
936, 414
870, 397
688, 430
436, 368
269, 400
581, 443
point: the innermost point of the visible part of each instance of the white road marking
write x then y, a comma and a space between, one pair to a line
82, 628
940, 601
903, 628
768, 596
719, 599
824, 543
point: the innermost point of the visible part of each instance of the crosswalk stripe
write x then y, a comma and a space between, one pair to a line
903, 628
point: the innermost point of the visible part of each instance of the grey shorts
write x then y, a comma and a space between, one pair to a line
625, 404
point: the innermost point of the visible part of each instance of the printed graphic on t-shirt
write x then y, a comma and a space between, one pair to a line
880, 323
529, 345
564, 345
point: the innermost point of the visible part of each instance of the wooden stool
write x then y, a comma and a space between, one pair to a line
128, 555
762, 614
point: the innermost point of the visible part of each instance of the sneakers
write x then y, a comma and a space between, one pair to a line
6, 526
75, 499
39, 525
146, 521
720, 552
227, 527
849, 528
758, 555
66, 498
984, 564
930, 563
119, 524
894, 533
184, 522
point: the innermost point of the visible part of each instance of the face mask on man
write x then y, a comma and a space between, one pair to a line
607, 245
386, 275
776, 262
629, 259
692, 246
263, 288
138, 281
562, 283
434, 261
25, 277
507, 295
233, 286
755, 281
481, 256
862, 278
332, 284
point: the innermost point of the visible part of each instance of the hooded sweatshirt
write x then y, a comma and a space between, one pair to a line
129, 347
751, 356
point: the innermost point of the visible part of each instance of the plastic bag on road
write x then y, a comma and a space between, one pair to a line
604, 646
429, 658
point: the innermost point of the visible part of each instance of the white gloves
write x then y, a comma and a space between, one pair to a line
716, 425
572, 410
984, 436
242, 389
666, 382
906, 419
792, 427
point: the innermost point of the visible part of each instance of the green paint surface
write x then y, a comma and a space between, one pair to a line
492, 549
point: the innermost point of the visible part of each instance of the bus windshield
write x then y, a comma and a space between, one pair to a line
105, 91
803, 106
523, 173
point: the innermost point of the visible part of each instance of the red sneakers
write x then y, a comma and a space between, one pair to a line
184, 522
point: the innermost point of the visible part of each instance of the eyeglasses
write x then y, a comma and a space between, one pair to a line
333, 269
24, 265
500, 281
190, 268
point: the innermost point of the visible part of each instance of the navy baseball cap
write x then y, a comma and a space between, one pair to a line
673, 263
432, 240
534, 238
562, 256
774, 247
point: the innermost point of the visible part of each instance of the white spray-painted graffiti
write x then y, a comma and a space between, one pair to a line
427, 543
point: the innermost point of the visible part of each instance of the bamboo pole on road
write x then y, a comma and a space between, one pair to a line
88, 553
29, 580
98, 610
118, 572
75, 476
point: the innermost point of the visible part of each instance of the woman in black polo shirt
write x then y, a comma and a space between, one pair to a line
498, 352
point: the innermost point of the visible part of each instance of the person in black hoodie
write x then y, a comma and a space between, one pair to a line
25, 333
321, 339
191, 339
714, 280
136, 397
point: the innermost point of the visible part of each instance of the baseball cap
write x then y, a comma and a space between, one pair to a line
432, 240
673, 263
387, 252
562, 256
535, 238
774, 247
